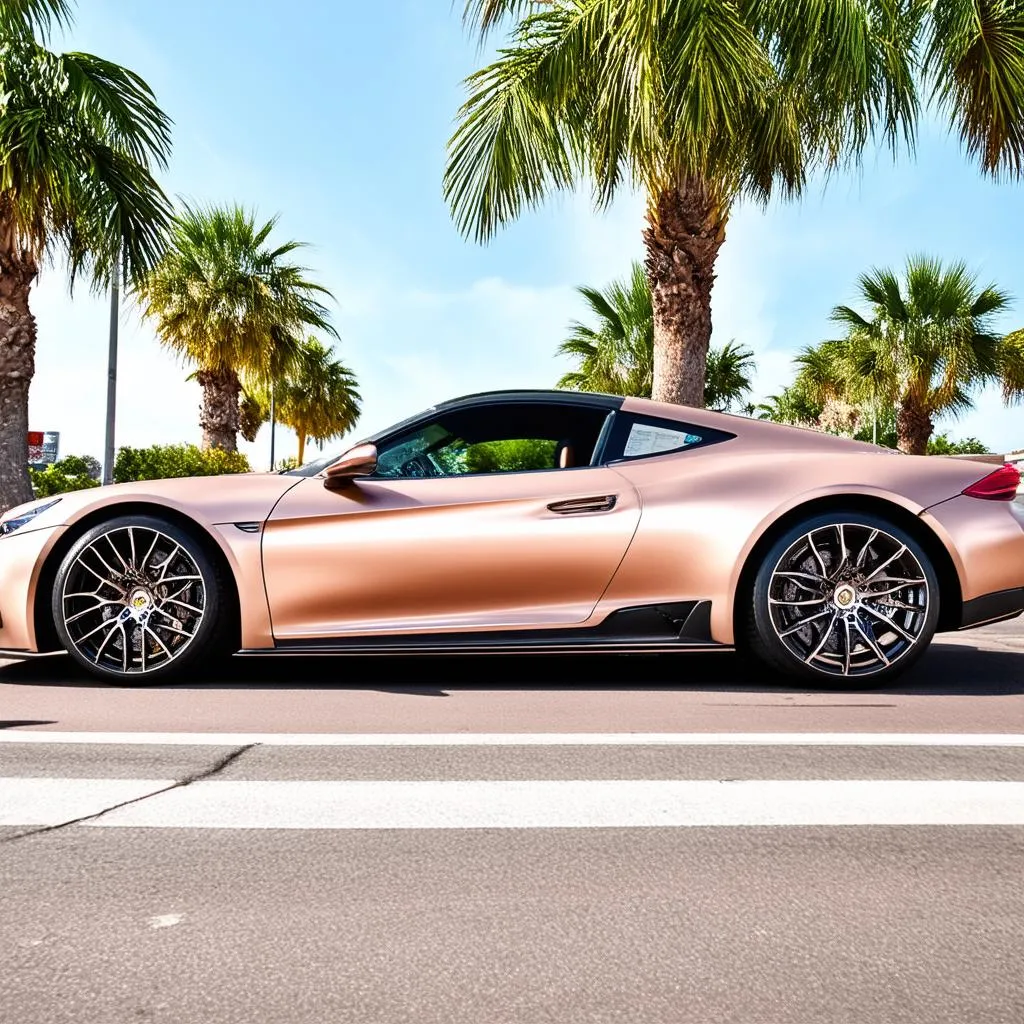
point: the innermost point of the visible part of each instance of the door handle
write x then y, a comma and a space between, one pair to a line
573, 506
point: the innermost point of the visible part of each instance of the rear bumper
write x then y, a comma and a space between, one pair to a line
1005, 604
985, 540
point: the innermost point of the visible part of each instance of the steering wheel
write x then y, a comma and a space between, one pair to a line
419, 466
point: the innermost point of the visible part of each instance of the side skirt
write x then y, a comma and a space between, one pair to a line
645, 629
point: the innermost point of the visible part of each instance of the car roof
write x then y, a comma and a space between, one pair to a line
588, 398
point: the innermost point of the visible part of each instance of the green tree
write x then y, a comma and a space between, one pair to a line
728, 377
615, 354
317, 397
72, 473
232, 304
704, 103
79, 140
924, 345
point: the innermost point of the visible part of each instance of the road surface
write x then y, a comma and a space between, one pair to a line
515, 842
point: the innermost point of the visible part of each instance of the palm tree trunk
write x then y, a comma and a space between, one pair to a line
913, 428
17, 367
302, 445
685, 229
220, 417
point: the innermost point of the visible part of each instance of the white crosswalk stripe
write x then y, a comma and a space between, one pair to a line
270, 789
519, 804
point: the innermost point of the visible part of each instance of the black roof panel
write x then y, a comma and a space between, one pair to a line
588, 398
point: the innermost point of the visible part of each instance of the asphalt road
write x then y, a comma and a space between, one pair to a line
359, 842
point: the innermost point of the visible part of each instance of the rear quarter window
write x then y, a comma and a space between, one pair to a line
643, 437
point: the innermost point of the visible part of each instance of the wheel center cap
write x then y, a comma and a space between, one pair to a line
139, 600
845, 596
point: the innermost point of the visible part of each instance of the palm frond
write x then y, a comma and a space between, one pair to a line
974, 60
21, 19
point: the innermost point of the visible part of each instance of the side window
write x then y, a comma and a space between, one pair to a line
501, 438
638, 437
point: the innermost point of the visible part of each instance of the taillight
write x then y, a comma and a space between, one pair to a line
999, 485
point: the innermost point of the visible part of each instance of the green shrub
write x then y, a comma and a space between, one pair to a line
942, 445
72, 473
510, 456
162, 461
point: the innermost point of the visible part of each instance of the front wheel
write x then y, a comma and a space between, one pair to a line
844, 598
137, 600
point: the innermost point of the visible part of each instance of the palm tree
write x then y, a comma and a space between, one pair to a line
925, 344
728, 377
231, 303
616, 355
79, 140
317, 397
704, 103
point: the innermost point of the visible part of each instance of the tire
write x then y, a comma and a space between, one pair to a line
137, 600
843, 599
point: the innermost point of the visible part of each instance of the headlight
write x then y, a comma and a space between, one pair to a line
18, 517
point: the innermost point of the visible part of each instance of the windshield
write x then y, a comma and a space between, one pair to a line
319, 465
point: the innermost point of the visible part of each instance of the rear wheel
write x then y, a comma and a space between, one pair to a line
138, 600
844, 598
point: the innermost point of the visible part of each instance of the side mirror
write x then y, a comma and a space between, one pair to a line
358, 461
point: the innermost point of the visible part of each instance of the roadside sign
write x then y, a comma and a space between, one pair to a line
43, 446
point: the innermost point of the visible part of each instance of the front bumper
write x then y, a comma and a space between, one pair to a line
21, 558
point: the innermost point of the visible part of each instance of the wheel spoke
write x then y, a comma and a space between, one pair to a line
803, 622
902, 585
92, 547
156, 540
872, 537
889, 622
849, 644
825, 634
816, 553
114, 625
795, 604
153, 634
872, 643
892, 558
120, 557
165, 565
844, 552
94, 608
172, 629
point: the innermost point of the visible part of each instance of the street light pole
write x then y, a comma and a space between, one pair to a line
108, 446
273, 425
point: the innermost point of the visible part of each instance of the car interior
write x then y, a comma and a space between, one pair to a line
512, 437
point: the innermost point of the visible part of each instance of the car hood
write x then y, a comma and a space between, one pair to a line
233, 498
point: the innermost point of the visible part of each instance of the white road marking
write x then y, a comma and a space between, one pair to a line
52, 801
542, 739
521, 804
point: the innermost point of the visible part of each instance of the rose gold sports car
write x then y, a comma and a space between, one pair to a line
529, 522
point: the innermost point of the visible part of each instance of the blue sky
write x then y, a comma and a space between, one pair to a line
335, 114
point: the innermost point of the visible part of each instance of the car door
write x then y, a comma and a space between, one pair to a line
482, 551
